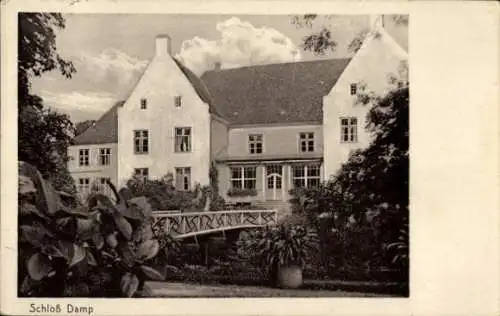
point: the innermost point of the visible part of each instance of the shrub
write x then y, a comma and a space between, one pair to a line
100, 249
283, 245
162, 195
236, 192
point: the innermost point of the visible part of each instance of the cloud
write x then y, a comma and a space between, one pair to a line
110, 64
240, 44
95, 103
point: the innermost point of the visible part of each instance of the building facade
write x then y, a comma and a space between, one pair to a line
267, 129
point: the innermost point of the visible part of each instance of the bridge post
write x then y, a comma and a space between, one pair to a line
225, 220
260, 219
242, 218
183, 225
199, 223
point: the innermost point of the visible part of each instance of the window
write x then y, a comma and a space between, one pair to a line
83, 157
178, 101
182, 139
306, 175
274, 182
243, 177
84, 186
144, 104
141, 173
104, 156
353, 88
183, 178
306, 142
348, 130
255, 143
141, 142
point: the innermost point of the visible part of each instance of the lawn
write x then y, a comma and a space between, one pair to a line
171, 289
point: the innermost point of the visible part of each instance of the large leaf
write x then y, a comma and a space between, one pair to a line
152, 273
52, 199
85, 228
52, 250
67, 249
33, 234
143, 232
148, 249
98, 240
67, 225
123, 225
129, 284
78, 254
47, 198
90, 258
129, 257
146, 291
139, 207
26, 186
78, 211
38, 266
129, 212
29, 209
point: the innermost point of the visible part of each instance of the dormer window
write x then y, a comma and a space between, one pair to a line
144, 104
178, 101
354, 88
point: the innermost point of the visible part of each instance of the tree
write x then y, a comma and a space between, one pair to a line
369, 195
43, 135
81, 127
320, 41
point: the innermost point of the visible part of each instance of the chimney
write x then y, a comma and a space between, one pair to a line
376, 21
217, 66
163, 45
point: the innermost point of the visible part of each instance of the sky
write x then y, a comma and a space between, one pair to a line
110, 51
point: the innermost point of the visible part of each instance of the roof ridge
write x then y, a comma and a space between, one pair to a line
276, 64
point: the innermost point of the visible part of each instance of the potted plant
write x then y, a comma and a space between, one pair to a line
282, 251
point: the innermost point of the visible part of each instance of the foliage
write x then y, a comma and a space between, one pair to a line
81, 127
368, 197
320, 40
281, 245
357, 41
43, 135
162, 195
237, 192
100, 249
217, 203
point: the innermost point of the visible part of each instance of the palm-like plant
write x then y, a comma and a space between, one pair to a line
280, 247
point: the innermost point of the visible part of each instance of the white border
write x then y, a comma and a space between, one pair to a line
454, 170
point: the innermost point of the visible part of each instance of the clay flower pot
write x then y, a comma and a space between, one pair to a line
289, 277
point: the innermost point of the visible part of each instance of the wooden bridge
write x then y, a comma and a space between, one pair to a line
183, 225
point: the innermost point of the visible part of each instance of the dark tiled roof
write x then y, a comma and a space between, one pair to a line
277, 93
104, 131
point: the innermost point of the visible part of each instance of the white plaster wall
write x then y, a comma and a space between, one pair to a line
376, 60
161, 82
279, 140
94, 169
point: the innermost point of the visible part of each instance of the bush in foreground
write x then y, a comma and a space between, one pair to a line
100, 249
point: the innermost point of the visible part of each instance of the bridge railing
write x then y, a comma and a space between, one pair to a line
196, 223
